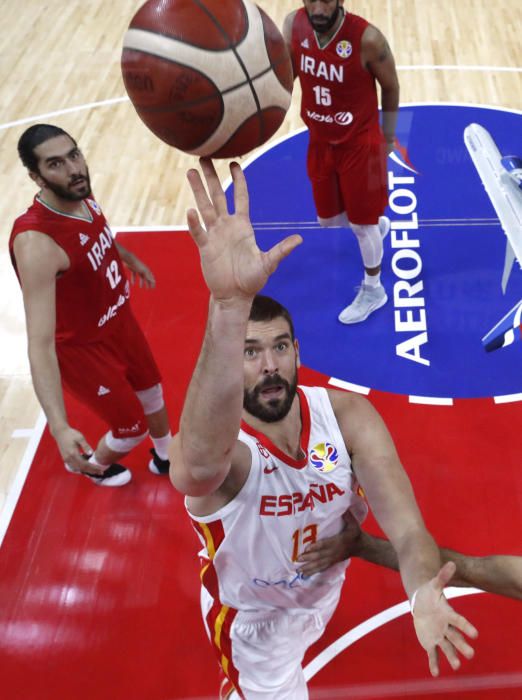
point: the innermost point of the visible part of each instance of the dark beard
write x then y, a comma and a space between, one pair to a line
323, 28
276, 409
66, 193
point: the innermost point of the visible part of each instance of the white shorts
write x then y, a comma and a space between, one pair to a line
267, 649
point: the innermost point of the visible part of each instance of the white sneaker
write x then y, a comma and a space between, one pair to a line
114, 475
368, 299
384, 226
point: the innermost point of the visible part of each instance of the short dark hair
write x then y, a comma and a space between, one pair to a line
265, 309
33, 137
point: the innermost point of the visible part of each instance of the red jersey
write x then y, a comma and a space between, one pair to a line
339, 102
94, 290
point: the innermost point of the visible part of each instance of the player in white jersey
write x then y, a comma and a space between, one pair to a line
257, 506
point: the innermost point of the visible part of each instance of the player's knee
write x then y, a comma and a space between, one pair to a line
151, 399
123, 444
370, 242
337, 221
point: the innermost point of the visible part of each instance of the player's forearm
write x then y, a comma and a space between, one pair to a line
390, 109
501, 574
419, 559
212, 411
45, 373
127, 257
375, 550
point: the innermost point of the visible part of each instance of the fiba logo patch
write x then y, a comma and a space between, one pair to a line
324, 457
344, 49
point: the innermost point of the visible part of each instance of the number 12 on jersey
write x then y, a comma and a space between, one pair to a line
113, 274
300, 538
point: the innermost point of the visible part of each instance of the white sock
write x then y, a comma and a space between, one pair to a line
161, 445
372, 280
97, 462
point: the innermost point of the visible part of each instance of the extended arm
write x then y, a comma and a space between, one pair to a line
378, 59
39, 261
235, 270
497, 573
390, 496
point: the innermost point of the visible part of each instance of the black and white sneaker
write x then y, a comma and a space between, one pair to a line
158, 465
114, 475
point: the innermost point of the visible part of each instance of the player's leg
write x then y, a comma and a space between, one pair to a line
97, 380
362, 176
159, 430
268, 650
144, 376
325, 186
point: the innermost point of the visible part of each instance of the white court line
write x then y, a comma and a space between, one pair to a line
15, 490
147, 229
507, 398
68, 110
22, 433
433, 400
341, 384
370, 625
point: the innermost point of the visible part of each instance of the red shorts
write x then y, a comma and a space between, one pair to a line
105, 375
349, 178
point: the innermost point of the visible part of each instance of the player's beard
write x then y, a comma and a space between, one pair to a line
275, 409
322, 27
67, 192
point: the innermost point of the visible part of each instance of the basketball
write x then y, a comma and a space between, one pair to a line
211, 77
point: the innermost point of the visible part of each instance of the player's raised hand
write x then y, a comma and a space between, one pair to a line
438, 626
232, 263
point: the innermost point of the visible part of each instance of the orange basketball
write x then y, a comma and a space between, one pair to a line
210, 77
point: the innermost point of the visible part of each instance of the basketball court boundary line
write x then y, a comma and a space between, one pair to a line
14, 491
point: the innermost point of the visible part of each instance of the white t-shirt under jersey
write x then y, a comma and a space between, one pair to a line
250, 545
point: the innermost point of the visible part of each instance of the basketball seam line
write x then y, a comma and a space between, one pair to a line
239, 59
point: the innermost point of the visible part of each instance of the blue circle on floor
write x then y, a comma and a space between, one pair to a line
442, 266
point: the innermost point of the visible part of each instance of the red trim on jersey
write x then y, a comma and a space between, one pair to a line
220, 617
305, 436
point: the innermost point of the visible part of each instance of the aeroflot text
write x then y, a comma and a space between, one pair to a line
408, 297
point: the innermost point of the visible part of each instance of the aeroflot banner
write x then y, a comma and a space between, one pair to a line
443, 262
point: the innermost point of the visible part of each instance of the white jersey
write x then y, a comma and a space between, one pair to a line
250, 546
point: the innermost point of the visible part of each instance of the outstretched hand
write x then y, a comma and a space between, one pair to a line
438, 626
232, 263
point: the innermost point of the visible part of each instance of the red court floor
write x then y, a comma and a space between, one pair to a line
99, 588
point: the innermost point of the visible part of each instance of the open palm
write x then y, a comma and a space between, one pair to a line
231, 261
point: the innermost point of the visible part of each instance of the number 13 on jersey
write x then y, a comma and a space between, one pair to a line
300, 538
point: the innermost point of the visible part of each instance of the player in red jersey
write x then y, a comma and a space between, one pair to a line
80, 326
338, 58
